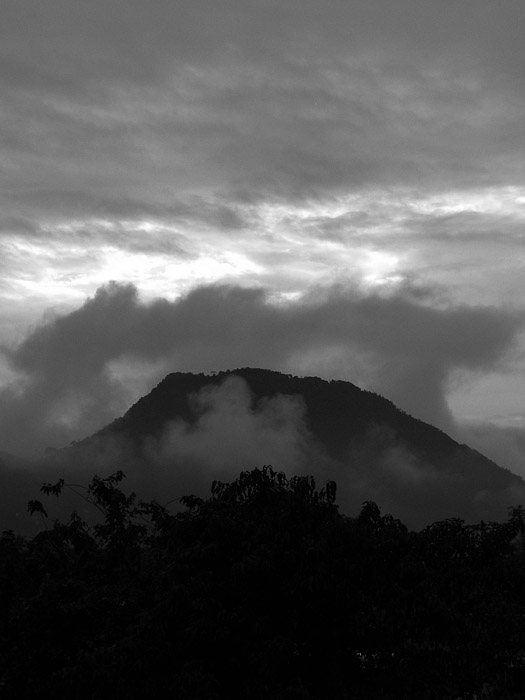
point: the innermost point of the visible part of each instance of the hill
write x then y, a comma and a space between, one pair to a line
194, 425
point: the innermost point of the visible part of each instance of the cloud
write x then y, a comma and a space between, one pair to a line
397, 345
189, 132
503, 444
259, 99
231, 434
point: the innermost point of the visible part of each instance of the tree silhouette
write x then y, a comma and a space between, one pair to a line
262, 590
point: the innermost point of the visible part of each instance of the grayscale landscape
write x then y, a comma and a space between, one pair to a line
262, 349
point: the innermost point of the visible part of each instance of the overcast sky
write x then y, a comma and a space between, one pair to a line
349, 172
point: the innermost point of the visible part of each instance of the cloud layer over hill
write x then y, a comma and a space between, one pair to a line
77, 371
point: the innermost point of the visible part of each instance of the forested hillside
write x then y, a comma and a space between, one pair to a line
193, 424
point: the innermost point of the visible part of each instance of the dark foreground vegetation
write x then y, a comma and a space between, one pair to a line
262, 591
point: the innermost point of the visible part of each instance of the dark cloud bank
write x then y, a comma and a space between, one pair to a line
398, 345
74, 376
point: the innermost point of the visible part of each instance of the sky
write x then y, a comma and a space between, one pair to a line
330, 188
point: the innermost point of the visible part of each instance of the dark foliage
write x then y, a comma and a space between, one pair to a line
262, 591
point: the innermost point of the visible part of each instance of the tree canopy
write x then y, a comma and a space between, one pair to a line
263, 590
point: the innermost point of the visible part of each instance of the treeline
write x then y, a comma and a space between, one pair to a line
264, 590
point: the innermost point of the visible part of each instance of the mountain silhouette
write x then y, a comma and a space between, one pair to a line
372, 449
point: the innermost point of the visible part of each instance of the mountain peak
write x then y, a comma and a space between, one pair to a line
236, 419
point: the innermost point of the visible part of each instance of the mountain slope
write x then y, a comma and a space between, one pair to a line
361, 440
